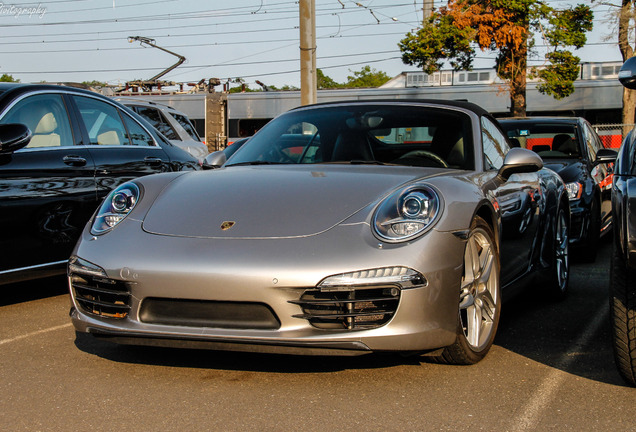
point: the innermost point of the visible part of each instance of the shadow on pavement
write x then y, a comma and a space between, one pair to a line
32, 290
236, 361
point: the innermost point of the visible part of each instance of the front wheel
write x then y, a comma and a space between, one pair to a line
479, 298
559, 276
623, 316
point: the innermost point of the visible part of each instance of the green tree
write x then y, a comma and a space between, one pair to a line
8, 78
325, 82
507, 27
95, 83
366, 77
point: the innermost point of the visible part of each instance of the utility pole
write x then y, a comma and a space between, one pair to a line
427, 11
308, 77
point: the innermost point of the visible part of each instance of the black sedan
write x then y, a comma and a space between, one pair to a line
62, 150
623, 270
570, 147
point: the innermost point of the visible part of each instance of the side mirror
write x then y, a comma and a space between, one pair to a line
214, 160
13, 136
605, 155
520, 160
627, 74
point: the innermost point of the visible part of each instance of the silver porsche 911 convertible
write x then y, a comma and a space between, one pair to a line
339, 229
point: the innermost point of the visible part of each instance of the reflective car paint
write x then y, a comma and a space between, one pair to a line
48, 193
591, 210
265, 237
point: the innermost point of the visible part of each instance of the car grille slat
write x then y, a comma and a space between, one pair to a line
107, 298
354, 309
335, 302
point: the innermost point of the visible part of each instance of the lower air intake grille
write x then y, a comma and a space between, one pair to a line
100, 296
352, 310
204, 313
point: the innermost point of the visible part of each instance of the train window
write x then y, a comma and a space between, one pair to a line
241, 128
607, 70
473, 76
484, 76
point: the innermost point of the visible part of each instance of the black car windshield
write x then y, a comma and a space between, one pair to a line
548, 140
364, 134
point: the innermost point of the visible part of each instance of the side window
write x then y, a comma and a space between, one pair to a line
495, 145
46, 117
155, 118
185, 124
102, 121
138, 135
590, 142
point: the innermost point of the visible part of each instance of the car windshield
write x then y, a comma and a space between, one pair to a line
364, 134
548, 140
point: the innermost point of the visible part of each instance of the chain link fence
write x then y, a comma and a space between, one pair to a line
612, 134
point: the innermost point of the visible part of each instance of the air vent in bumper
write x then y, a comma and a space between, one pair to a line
354, 309
101, 296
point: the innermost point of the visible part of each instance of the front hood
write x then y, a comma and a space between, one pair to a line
271, 202
568, 169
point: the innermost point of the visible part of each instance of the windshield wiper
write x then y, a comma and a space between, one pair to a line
254, 163
358, 162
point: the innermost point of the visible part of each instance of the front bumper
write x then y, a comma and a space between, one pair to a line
275, 273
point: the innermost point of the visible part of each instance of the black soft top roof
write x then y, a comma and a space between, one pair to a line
452, 103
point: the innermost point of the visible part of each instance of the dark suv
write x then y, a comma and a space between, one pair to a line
62, 150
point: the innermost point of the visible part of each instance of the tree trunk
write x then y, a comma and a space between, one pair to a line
629, 96
518, 94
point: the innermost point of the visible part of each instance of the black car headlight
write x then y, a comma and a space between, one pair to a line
406, 214
117, 205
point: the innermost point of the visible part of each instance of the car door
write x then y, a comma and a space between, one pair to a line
519, 199
601, 173
121, 147
47, 189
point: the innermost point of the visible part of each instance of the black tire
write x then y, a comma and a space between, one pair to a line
479, 299
589, 251
622, 301
559, 275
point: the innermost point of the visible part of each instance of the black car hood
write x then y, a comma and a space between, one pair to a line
568, 169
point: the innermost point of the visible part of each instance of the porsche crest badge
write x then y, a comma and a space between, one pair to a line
227, 225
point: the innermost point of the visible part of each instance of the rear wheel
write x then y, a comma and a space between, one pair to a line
479, 298
623, 316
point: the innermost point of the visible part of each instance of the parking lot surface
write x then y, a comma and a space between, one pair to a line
550, 369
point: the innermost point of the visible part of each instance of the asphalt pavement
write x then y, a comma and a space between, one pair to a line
551, 369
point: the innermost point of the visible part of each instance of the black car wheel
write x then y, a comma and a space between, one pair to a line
559, 275
589, 250
479, 300
623, 316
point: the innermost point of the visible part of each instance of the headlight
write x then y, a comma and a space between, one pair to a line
115, 208
407, 213
575, 190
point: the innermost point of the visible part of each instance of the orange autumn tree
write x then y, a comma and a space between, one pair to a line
508, 28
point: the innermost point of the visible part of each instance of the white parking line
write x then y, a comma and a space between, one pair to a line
35, 333
546, 391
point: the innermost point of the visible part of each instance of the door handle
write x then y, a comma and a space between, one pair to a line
153, 161
74, 160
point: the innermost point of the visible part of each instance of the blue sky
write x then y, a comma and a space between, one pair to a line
82, 40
